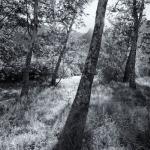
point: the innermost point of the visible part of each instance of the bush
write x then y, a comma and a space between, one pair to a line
110, 73
13, 72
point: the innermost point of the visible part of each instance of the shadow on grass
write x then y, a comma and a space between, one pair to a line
121, 123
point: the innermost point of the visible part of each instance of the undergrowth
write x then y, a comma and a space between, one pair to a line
118, 118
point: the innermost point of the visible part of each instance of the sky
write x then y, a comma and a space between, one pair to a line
90, 9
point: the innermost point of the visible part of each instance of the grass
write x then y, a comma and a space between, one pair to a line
118, 118
42, 122
121, 121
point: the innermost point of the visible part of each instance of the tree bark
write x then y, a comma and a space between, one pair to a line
126, 77
132, 58
54, 75
26, 70
25, 86
72, 134
126, 73
129, 75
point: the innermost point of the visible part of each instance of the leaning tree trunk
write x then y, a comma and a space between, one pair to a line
55, 73
72, 134
25, 86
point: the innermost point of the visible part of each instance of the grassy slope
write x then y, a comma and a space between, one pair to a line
116, 117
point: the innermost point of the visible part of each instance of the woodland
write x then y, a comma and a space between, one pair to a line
63, 89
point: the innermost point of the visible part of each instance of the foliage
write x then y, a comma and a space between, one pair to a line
118, 117
113, 55
13, 72
42, 122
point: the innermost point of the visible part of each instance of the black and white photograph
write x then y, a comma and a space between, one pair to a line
74, 74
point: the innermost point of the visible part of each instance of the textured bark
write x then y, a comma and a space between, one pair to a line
72, 134
133, 59
129, 75
127, 71
25, 86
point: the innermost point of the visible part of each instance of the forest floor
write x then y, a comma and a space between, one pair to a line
118, 117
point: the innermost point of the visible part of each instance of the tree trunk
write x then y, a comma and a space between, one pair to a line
133, 59
25, 86
127, 69
137, 21
26, 70
129, 75
72, 134
130, 66
54, 75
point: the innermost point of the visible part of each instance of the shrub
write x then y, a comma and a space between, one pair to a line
13, 72
111, 73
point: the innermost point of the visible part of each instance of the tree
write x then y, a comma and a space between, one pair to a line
32, 45
71, 11
132, 13
137, 14
144, 61
116, 42
72, 134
